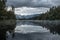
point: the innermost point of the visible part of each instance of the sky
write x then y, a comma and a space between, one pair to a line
30, 11
32, 6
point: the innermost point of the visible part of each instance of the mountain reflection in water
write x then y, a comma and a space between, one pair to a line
29, 30
6, 25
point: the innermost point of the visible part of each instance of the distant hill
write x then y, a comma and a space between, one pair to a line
26, 16
52, 14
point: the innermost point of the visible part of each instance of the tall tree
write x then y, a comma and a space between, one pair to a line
6, 15
2, 4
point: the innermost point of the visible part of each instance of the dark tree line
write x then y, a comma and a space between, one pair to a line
52, 14
6, 15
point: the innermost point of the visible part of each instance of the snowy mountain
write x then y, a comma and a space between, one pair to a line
26, 16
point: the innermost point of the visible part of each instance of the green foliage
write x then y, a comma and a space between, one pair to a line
6, 25
6, 14
2, 4
53, 14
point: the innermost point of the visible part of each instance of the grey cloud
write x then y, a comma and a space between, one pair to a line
56, 2
33, 3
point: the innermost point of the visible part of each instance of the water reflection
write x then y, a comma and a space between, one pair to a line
6, 25
29, 25
28, 30
53, 27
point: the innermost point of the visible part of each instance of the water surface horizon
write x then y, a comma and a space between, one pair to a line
28, 30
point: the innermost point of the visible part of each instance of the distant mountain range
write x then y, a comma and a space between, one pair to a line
26, 16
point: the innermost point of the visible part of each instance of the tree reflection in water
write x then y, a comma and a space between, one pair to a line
7, 25
55, 29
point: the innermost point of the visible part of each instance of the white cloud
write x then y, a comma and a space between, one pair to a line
9, 8
30, 11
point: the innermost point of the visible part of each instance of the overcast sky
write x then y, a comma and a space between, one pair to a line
35, 4
30, 11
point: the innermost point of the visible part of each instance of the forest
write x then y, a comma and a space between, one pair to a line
52, 14
7, 19
4, 14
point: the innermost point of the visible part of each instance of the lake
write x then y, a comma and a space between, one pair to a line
31, 30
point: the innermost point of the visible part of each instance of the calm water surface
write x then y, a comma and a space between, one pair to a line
27, 30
